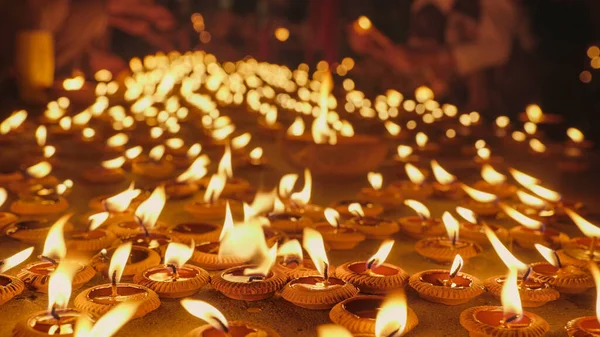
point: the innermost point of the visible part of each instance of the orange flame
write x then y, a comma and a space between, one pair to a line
491, 176
303, 197
419, 208
121, 201
314, 245
510, 297
54, 246
478, 195
375, 179
15, 260
392, 317
149, 210
118, 262
586, 227
441, 175
382, 253
96, 220
404, 151
39, 170
414, 174
505, 255
521, 218
207, 313
451, 225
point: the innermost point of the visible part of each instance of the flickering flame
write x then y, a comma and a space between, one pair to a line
133, 152
59, 285
96, 220
332, 330
502, 121
522, 178
593, 267
271, 117
39, 170
224, 132
356, 209
457, 265
537, 146
54, 246
194, 151
530, 200
467, 214
530, 128
478, 195
196, 171
113, 163
510, 297
265, 263
118, 262
225, 167
421, 139
227, 223
174, 143
109, 323
534, 113
241, 141
245, 241
157, 152
206, 312
375, 179
291, 248
441, 175
13, 122
156, 132
548, 254
121, 201
178, 254
88, 133
65, 123
15, 260
64, 186
545, 193
505, 255
214, 188
303, 197
419, 208
49, 151
382, 253
40, 135
575, 135
404, 151
587, 228
332, 216
518, 136
286, 184
256, 154
364, 23
297, 128
392, 316
120, 139
451, 225
521, 218
149, 210
314, 245
491, 176
74, 83
484, 153
414, 174
3, 196
393, 128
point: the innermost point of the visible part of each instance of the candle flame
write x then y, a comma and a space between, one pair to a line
478, 195
332, 330
215, 186
502, 121
40, 135
109, 323
64, 186
60, 285
356, 209
39, 170
382, 253
291, 248
375, 179
121, 201
256, 154
246, 241
65, 123
484, 153
54, 246
414, 174
3, 196
457, 265
178, 254
548, 254
286, 184
586, 227
120, 139
491, 176
593, 267
96, 220
451, 225
313, 244
392, 128
364, 23
149, 210
522, 178
441, 175
74, 83
118, 261
225, 168
157, 152
266, 262
332, 216
89, 133
421, 139
174, 143
15, 260
392, 317
404, 151
510, 297
194, 151
13, 122
271, 117
537, 146
534, 113
505, 255
545, 193
467, 214
521, 218
133, 152
224, 132
297, 128
530, 128
227, 223
156, 132
206, 312
531, 200
113, 163
518, 136
303, 197
196, 171
241, 141
575, 135
419, 208
49, 151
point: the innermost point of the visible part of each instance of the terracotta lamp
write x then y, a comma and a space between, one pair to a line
587, 326
292, 262
370, 209
109, 172
481, 203
185, 185
495, 183
567, 279
11, 286
211, 207
446, 185
338, 234
91, 239
371, 226
473, 227
581, 251
422, 225
531, 231
387, 197
414, 188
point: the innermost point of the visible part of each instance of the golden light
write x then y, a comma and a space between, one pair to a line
332, 216
313, 243
575, 135
451, 133
174, 143
256, 155
522, 178
109, 323
423, 94
521, 218
518, 136
286, 184
96, 220
502, 121
246, 241
82, 118
49, 151
121, 201
441, 175
133, 152
303, 197
113, 163
15, 260
64, 186
549, 255
478, 195
332, 330
491, 176
75, 83
382, 253
156, 132
63, 102
206, 312
194, 151
414, 174
103, 75
480, 143
510, 297
484, 153
392, 128
13, 122
356, 209
404, 151
593, 267
530, 128
363, 24
178, 254
40, 135
149, 210
375, 179
214, 188
241, 141
534, 113
157, 152
587, 228
118, 140
505, 255
3, 196
451, 225
118, 262
457, 265
227, 223
265, 263
545, 193
60, 285
419, 208
282, 34
421, 139
392, 316
196, 171
531, 200
39, 170
271, 117
291, 248
88, 133
225, 168
65, 123
54, 245
537, 146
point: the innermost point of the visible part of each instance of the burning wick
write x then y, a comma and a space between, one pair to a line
454, 237
526, 275
141, 223
174, 271
253, 278
115, 291
55, 314
224, 326
48, 259
326, 274
510, 319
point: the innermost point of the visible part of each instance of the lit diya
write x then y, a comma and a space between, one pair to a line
473, 227
155, 166
446, 185
139, 260
374, 276
174, 278
268, 123
450, 287
338, 235
218, 326
581, 251
573, 158
43, 202
482, 203
185, 184
534, 293
232, 185
36, 274
532, 231
11, 286
507, 320
420, 225
587, 326
299, 202
484, 156
495, 183
109, 323
404, 154
415, 187
100, 299
567, 279
424, 146
372, 227
293, 264
556, 200
92, 239
369, 209
108, 172
143, 221
290, 223
444, 249
183, 159
535, 207
5, 217
211, 207
36, 176
317, 292
389, 198
118, 204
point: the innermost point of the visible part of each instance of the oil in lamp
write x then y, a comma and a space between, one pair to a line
446, 185
383, 316
299, 202
109, 323
293, 264
155, 166
472, 227
494, 182
11, 286
374, 276
415, 187
587, 326
92, 239
218, 326
36, 274
507, 320
211, 207
404, 154
318, 291
450, 287
534, 293
185, 184
6, 218
420, 225
531, 231
567, 279
389, 198
233, 185
109, 172
368, 209
444, 249
338, 235
174, 278
481, 203
581, 251
371, 226
98, 300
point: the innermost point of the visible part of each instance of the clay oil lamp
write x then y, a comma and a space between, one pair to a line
404, 154
43, 202
251, 282
11, 286
109, 172
368, 315
533, 293
446, 185
369, 209
98, 300
218, 326
481, 203
123, 221
587, 326
424, 146
6, 218
33, 204
472, 227
420, 225
507, 320
494, 182
450, 287
92, 239
485, 156
109, 323
415, 187
374, 276
174, 278
319, 291
531, 231
581, 251
185, 184
233, 185
443, 249
389, 198
337, 234
119, 204
293, 264
299, 202
556, 201
36, 274
372, 227
573, 158
139, 260
32, 231
211, 207
567, 279
155, 166
534, 207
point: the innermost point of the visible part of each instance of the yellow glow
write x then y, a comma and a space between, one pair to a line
241, 141
120, 139
96, 220
174, 143
118, 262
381, 255
356, 209
291, 248
206, 312
548, 254
156, 132
157, 152
467, 214
133, 152
82, 118
392, 128
256, 154
545, 193
421, 139
3, 196
75, 83
392, 316
194, 151
537, 146
225, 168
178, 254
441, 175
121, 201
450, 133
363, 23
491, 176
522, 178
414, 174
303, 197
286, 184
531, 200
282, 34
332, 216
271, 117
49, 151
451, 225
113, 163
404, 151
149, 210
39, 170
534, 113
332, 330
478, 195
297, 128
60, 285
480, 144
103, 75
423, 94
109, 323
510, 297
15, 260
575, 135
13, 122
375, 179
593, 267
502, 121
40, 135
419, 208
313, 244
227, 223
54, 246
587, 228
518, 136
505, 255
530, 128
65, 123
521, 218
457, 265
214, 188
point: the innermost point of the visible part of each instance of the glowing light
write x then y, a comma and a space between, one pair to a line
521, 218
15, 260
414, 174
419, 208
478, 195
441, 175
303, 197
